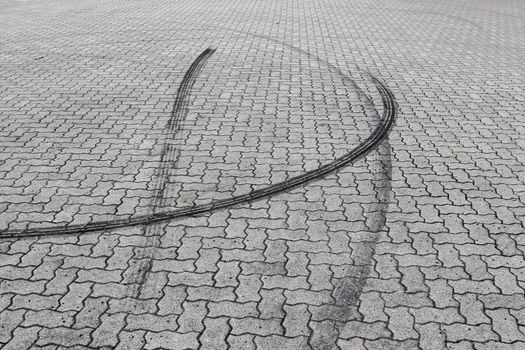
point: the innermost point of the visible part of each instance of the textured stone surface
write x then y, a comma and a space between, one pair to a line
417, 245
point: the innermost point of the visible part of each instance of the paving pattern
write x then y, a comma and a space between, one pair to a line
223, 175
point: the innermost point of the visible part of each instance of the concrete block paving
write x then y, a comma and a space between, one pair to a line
262, 175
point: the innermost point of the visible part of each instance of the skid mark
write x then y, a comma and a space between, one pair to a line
167, 163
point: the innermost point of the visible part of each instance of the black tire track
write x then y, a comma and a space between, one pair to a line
376, 221
347, 291
178, 115
168, 162
373, 141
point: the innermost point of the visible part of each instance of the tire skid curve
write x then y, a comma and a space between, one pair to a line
168, 161
373, 141
178, 115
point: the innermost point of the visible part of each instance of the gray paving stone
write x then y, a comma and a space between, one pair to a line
416, 245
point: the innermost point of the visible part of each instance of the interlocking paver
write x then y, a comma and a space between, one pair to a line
373, 330
23, 338
239, 342
431, 337
416, 245
215, 333
505, 325
480, 333
191, 319
401, 323
171, 340
251, 325
63, 336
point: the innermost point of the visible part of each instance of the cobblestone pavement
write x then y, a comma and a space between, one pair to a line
220, 117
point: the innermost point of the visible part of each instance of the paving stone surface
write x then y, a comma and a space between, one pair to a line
119, 111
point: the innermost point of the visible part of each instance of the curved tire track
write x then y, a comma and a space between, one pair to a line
373, 141
168, 161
